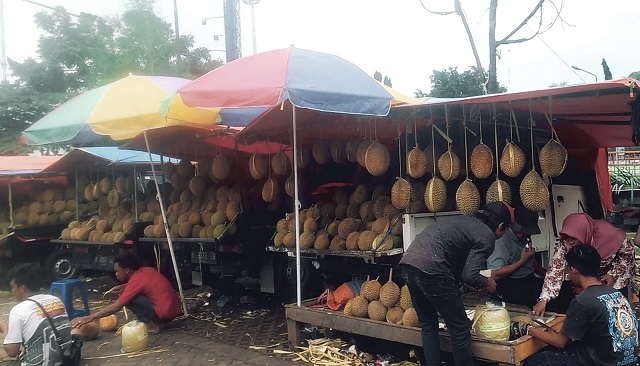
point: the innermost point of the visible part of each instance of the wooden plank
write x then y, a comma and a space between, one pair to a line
508, 353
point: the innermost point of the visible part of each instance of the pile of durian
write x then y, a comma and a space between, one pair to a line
111, 211
52, 206
388, 302
363, 221
198, 208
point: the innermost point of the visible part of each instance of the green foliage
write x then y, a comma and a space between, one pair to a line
377, 75
451, 83
555, 85
635, 75
623, 178
76, 55
19, 107
419, 93
387, 81
605, 70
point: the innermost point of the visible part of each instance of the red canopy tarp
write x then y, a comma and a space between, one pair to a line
25, 165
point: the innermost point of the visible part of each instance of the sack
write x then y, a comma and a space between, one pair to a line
71, 354
345, 292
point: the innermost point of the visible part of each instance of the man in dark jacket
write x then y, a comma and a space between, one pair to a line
442, 257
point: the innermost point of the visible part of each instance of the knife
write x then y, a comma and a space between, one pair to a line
543, 324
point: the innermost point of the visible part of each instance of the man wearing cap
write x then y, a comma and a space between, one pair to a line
512, 263
442, 257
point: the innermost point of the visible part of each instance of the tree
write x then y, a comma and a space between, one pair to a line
387, 81
635, 75
451, 83
377, 75
605, 70
76, 55
539, 10
555, 85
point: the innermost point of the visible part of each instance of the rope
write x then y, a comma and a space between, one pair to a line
400, 151
480, 124
466, 151
533, 163
515, 121
415, 130
433, 143
495, 138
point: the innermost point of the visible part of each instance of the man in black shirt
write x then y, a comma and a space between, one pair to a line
600, 328
442, 257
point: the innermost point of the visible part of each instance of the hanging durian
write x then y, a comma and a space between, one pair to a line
553, 158
467, 195
533, 191
377, 159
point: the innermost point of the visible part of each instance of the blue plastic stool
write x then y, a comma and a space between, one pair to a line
65, 289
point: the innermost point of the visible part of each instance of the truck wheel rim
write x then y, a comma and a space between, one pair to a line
63, 267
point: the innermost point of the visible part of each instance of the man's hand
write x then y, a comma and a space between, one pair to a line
538, 309
78, 322
608, 280
491, 285
630, 211
116, 290
527, 254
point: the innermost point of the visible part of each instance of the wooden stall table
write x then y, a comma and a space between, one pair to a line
502, 352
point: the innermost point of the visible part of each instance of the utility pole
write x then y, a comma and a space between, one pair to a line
253, 22
3, 49
175, 18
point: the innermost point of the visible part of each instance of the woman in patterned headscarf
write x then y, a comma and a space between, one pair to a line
617, 266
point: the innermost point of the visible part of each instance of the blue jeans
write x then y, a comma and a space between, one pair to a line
552, 356
433, 294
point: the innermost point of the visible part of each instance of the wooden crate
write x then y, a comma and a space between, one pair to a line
505, 353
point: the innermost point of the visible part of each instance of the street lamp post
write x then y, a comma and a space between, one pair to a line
253, 23
583, 70
3, 50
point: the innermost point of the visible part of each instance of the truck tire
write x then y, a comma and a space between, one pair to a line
60, 266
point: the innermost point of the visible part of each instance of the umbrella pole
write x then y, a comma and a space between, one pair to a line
77, 199
10, 194
135, 192
166, 227
296, 209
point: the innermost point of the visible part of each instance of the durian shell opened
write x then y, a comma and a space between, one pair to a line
377, 159
553, 159
416, 163
534, 192
468, 198
338, 151
435, 195
481, 162
449, 165
512, 160
499, 191
258, 166
320, 152
400, 194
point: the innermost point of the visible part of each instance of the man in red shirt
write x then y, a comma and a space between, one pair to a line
146, 292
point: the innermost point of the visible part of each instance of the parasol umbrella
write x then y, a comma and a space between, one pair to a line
304, 79
120, 110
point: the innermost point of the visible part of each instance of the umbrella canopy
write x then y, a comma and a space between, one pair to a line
250, 87
120, 110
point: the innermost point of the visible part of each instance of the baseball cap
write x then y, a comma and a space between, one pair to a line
526, 221
499, 211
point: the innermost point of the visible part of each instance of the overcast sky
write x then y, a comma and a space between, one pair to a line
397, 37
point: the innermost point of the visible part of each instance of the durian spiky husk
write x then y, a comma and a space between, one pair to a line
258, 166
352, 150
449, 165
534, 192
389, 293
553, 158
512, 160
320, 152
499, 191
371, 290
363, 145
269, 190
360, 307
338, 151
410, 318
401, 193
377, 159
416, 163
435, 194
431, 158
220, 167
468, 198
377, 311
394, 315
405, 298
481, 162
347, 307
280, 163
289, 186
